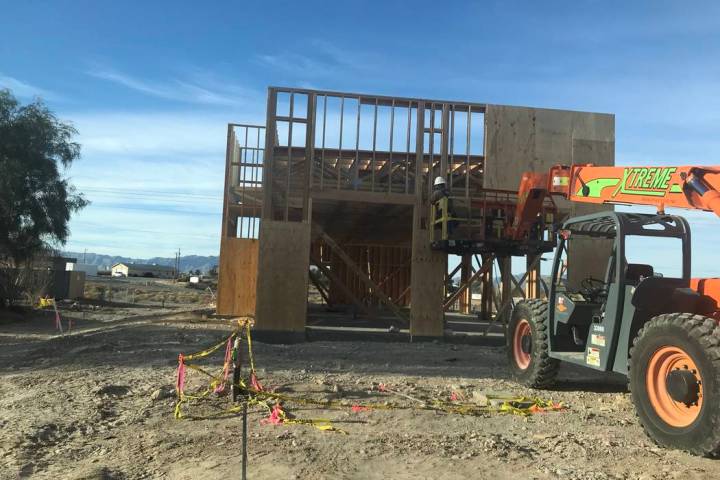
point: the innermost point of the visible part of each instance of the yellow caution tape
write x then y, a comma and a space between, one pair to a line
523, 406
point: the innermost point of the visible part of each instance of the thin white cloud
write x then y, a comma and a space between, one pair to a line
162, 135
296, 64
327, 59
147, 172
198, 89
24, 89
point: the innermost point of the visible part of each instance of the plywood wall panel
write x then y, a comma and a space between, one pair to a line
427, 288
519, 139
238, 271
282, 283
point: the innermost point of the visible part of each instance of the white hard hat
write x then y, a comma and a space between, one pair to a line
439, 181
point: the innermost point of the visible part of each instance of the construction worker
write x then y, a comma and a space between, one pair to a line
441, 191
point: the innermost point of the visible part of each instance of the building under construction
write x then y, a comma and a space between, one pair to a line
334, 191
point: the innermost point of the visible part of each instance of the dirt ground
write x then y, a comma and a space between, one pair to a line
98, 403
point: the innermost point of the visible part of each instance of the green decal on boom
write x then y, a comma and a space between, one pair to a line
593, 188
653, 181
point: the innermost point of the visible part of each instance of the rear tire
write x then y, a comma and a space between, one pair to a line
530, 363
683, 343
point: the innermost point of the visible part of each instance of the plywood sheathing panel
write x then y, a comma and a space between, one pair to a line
427, 287
237, 276
282, 282
519, 139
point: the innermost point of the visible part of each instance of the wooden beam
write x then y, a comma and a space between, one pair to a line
366, 197
455, 270
320, 288
372, 286
465, 274
402, 295
340, 284
509, 300
393, 273
485, 267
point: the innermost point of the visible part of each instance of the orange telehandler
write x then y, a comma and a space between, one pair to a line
662, 333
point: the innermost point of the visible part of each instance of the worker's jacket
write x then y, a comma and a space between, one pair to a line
437, 195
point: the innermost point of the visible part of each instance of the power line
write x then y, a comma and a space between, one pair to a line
150, 192
166, 197
139, 230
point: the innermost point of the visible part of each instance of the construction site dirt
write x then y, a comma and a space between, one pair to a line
98, 402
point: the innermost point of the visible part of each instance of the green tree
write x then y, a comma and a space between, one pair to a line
36, 200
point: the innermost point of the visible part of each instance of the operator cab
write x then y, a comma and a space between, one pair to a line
588, 310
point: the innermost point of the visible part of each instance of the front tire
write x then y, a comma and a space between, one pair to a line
674, 377
528, 345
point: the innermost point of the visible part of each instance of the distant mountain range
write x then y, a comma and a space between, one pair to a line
188, 262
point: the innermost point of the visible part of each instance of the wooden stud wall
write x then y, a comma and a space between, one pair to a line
387, 266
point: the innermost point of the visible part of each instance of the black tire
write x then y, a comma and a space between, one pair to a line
542, 370
699, 337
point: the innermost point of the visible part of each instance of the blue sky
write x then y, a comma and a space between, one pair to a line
152, 85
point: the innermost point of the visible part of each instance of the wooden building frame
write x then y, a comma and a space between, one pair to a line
339, 183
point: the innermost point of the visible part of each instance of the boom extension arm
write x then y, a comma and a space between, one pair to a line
690, 187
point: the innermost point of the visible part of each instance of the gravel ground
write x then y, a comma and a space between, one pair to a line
98, 403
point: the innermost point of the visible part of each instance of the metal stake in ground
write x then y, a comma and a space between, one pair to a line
244, 440
237, 367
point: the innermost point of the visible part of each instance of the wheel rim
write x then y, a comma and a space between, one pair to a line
664, 361
522, 358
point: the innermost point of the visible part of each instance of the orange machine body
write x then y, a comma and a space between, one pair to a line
689, 187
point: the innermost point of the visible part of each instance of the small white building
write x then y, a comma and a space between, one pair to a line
90, 270
142, 270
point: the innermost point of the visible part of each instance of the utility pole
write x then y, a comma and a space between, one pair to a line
177, 265
85, 257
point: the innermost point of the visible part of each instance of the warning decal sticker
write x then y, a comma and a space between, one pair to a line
593, 357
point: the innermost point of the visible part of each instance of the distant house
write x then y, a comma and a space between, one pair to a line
141, 270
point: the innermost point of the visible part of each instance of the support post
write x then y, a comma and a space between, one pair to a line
309, 156
487, 293
506, 279
427, 286
270, 133
428, 268
465, 273
532, 286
